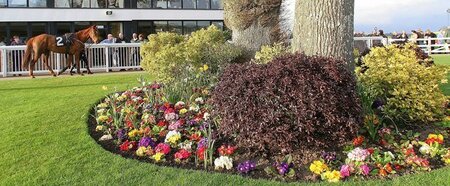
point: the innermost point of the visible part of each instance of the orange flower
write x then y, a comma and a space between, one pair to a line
358, 141
432, 138
388, 168
383, 172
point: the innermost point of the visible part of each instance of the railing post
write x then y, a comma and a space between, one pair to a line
107, 58
429, 45
58, 62
3, 61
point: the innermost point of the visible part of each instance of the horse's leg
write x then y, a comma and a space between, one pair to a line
66, 67
46, 55
77, 62
33, 63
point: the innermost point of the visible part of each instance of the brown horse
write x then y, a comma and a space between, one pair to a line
44, 44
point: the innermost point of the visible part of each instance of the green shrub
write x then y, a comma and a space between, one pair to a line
188, 62
268, 52
409, 89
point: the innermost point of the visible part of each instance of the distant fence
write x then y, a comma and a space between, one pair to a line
429, 45
106, 57
101, 57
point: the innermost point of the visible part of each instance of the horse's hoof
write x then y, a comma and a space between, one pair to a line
71, 74
81, 74
54, 75
32, 77
90, 73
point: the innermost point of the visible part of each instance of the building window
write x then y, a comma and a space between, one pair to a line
63, 28
216, 4
202, 24
3, 3
175, 27
145, 27
218, 24
37, 3
19, 29
174, 3
189, 26
89, 3
144, 3
3, 33
17, 3
159, 4
160, 26
62, 3
38, 29
189, 4
202, 4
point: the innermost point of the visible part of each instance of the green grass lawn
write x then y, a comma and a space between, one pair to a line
441, 59
44, 141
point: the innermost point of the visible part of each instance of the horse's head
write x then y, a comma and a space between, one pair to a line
93, 34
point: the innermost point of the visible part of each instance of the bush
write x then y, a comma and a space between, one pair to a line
269, 52
189, 62
291, 104
408, 87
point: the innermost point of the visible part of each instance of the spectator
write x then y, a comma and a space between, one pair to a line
109, 40
403, 36
135, 38
414, 36
121, 50
381, 33
142, 38
2, 43
395, 35
112, 53
16, 55
432, 35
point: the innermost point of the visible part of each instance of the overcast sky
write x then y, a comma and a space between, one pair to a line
398, 15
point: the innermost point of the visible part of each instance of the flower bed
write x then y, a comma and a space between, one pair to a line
141, 124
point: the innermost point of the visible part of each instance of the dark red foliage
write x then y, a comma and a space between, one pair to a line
292, 103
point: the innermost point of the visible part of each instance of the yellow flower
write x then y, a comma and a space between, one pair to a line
104, 87
205, 67
318, 167
332, 176
174, 139
99, 128
133, 133
102, 118
158, 156
141, 151
183, 111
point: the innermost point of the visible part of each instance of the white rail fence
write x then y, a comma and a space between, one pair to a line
107, 57
101, 57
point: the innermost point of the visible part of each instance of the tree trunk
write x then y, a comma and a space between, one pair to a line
324, 27
254, 23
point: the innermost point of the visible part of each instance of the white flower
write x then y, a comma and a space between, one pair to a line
390, 154
170, 134
106, 137
100, 111
358, 154
186, 146
179, 104
199, 100
194, 108
171, 116
206, 116
99, 128
223, 162
425, 149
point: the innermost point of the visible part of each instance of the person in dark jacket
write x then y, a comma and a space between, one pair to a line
122, 51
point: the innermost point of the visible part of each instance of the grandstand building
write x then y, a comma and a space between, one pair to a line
27, 18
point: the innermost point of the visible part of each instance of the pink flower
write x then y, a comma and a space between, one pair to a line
163, 148
345, 171
365, 169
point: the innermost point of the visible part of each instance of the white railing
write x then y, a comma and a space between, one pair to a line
101, 57
428, 45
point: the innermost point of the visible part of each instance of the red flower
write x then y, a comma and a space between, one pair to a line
162, 123
195, 137
388, 168
226, 150
129, 124
126, 146
410, 152
201, 153
163, 133
182, 154
398, 167
371, 150
383, 142
163, 148
358, 141
383, 172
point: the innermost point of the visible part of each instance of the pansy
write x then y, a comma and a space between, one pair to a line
102, 119
432, 138
201, 153
194, 108
246, 166
99, 128
199, 100
206, 116
346, 171
187, 145
141, 151
146, 141
183, 111
133, 133
226, 150
365, 169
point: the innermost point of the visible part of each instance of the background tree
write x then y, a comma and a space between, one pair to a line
324, 27
254, 23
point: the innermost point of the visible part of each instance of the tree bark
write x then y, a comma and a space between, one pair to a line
254, 23
324, 27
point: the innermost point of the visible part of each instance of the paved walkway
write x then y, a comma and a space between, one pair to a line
68, 75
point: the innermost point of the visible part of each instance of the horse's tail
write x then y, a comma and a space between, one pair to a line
27, 55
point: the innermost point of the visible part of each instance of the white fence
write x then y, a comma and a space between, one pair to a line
106, 57
101, 57
428, 45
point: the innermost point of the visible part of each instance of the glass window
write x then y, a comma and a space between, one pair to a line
160, 26
38, 29
3, 3
114, 3
102, 29
144, 3
80, 25
62, 3
202, 4
216, 4
174, 3
175, 27
102, 3
145, 27
159, 3
189, 4
189, 26
77, 3
37, 3
19, 29
202, 24
17, 3
3, 33
62, 28
218, 24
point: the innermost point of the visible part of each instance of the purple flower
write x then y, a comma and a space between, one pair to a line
246, 166
328, 156
121, 134
202, 143
146, 141
365, 169
377, 104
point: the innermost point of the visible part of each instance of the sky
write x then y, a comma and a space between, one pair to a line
396, 15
